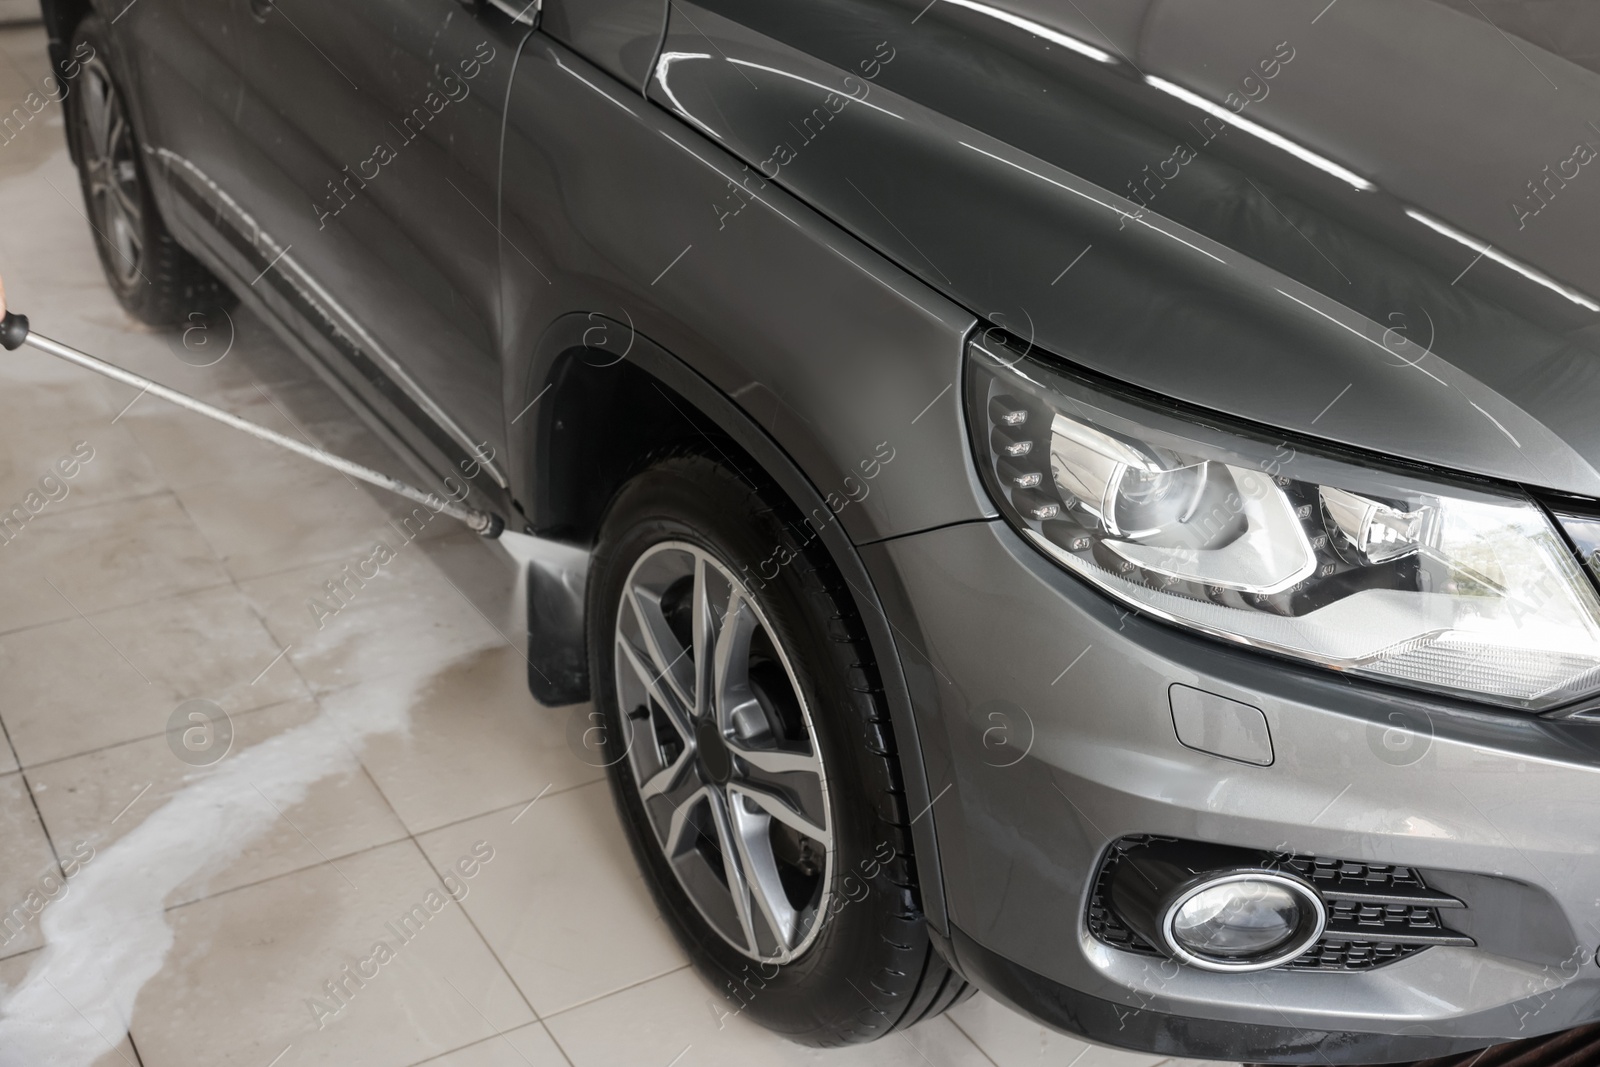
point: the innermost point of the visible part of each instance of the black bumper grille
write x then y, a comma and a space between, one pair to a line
1362, 933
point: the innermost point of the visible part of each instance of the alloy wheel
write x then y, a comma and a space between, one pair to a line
111, 172
723, 752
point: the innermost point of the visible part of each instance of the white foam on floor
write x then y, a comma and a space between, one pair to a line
109, 934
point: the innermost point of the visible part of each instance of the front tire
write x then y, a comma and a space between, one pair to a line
751, 757
153, 277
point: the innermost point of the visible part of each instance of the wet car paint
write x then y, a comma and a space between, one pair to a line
962, 166
1244, 279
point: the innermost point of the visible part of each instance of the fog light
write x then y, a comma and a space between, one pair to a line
1243, 921
1216, 907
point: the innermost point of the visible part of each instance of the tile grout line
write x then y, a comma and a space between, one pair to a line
53, 760
406, 835
4, 956
261, 620
436, 1057
64, 508
231, 579
597, 998
548, 792
551, 1034
482, 938
322, 709
363, 850
138, 1057
311, 695
974, 1041
6, 731
314, 560
118, 607
27, 787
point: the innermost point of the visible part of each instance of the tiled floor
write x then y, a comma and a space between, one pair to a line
219, 909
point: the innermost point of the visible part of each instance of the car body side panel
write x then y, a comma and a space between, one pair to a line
367, 142
181, 74
224, 165
611, 207
986, 159
618, 36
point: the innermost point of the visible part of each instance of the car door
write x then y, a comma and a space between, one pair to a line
178, 64
369, 135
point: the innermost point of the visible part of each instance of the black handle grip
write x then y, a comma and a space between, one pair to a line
13, 331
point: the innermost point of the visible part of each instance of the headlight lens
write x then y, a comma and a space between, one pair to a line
1441, 586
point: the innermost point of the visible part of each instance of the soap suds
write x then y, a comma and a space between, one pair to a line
109, 935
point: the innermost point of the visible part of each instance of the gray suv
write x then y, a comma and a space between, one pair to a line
1096, 501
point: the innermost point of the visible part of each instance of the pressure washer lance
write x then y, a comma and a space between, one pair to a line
14, 334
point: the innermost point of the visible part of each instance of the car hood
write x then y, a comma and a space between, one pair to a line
1370, 221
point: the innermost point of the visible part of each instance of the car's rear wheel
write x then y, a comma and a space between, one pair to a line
153, 277
752, 760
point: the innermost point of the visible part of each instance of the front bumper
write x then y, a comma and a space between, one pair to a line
1047, 734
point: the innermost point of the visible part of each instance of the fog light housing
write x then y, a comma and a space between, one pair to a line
1216, 907
1242, 920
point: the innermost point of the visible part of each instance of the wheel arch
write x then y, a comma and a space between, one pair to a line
597, 399
580, 440
61, 17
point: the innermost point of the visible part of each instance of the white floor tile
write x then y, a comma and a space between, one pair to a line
73, 459
269, 520
251, 972
564, 906
93, 559
101, 796
30, 879
407, 620
67, 687
477, 742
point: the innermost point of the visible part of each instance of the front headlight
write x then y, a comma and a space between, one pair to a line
1415, 580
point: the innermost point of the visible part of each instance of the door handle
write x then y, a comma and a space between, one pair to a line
260, 9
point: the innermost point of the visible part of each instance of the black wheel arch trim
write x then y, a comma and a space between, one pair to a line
616, 341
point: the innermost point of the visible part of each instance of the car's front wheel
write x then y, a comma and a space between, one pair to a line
752, 758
